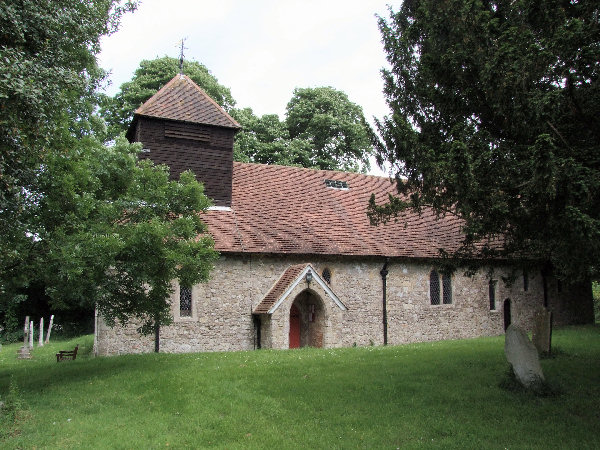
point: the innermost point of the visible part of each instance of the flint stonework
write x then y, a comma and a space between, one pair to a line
221, 318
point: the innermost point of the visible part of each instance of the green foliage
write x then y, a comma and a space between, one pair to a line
114, 232
596, 293
436, 394
494, 118
110, 232
150, 76
72, 320
48, 75
334, 126
266, 140
323, 129
10, 319
88, 223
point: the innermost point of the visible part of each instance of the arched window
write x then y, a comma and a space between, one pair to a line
326, 275
434, 287
185, 301
492, 295
447, 285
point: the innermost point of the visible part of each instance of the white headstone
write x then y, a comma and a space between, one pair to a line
26, 331
49, 328
41, 337
523, 356
31, 334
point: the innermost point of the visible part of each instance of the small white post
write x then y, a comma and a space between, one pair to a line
41, 341
49, 328
31, 334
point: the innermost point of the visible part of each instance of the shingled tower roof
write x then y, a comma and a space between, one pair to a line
183, 100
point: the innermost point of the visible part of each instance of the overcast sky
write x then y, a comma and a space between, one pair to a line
261, 49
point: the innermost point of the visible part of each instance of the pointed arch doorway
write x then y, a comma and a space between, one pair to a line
317, 317
307, 320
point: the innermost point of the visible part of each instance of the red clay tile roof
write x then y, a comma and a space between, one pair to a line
279, 288
289, 210
182, 99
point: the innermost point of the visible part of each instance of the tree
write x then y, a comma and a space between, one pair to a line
114, 232
150, 76
322, 129
48, 77
266, 140
87, 222
494, 118
334, 126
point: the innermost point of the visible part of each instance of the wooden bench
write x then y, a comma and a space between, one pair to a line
67, 354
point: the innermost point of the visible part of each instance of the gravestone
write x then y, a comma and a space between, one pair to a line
23, 352
542, 332
523, 357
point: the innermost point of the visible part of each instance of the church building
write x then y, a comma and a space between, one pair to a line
300, 264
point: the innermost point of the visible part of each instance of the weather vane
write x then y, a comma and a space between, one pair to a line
181, 56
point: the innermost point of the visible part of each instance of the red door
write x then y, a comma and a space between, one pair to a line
294, 327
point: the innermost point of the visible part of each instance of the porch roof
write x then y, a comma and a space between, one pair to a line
286, 283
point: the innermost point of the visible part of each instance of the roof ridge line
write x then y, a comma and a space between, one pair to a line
314, 169
202, 91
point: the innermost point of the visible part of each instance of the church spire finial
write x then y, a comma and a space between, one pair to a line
181, 56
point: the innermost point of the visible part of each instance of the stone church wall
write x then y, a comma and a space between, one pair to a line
222, 320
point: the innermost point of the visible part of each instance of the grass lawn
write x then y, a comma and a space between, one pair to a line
432, 395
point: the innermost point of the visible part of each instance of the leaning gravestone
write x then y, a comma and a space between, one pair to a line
542, 332
523, 357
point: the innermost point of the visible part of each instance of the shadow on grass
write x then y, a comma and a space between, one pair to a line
554, 353
43, 372
543, 389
